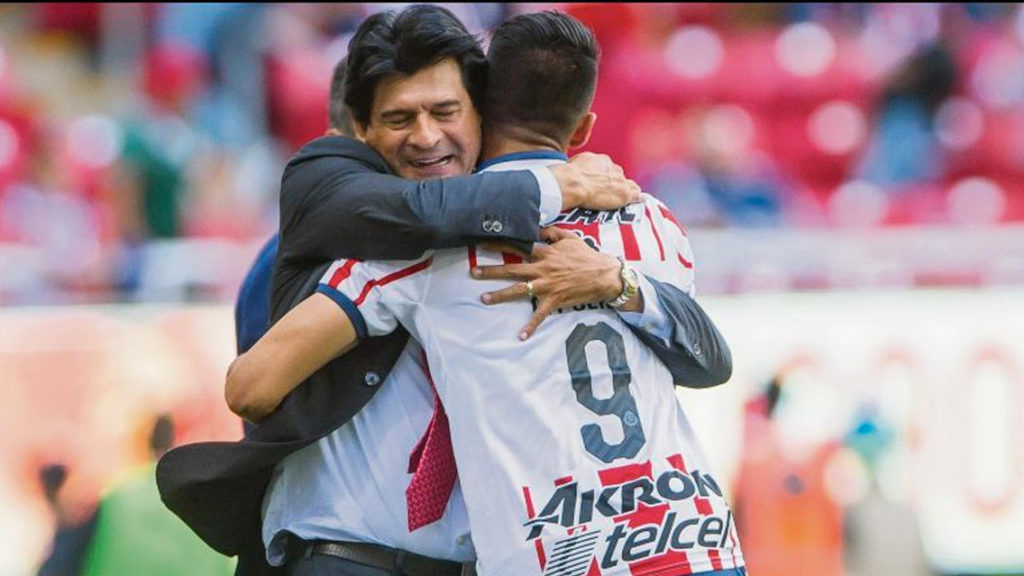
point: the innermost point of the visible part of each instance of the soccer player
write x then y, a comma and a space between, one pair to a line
574, 455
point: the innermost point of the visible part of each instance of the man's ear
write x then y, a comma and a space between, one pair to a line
333, 132
581, 135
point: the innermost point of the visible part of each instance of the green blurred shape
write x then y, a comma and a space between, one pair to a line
136, 535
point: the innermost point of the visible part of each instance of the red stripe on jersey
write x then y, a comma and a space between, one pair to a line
630, 248
418, 267
686, 263
654, 230
341, 274
565, 480
594, 570
625, 473
703, 506
472, 257
732, 540
671, 563
668, 215
529, 502
716, 560
530, 514
511, 258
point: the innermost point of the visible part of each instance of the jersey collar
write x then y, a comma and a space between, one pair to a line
531, 155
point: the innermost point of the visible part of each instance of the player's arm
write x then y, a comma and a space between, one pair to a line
306, 338
353, 301
345, 205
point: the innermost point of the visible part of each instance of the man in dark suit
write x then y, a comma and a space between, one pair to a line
337, 201
252, 308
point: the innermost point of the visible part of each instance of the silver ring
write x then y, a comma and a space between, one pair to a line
529, 288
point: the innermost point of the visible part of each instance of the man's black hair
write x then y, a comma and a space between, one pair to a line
338, 117
404, 43
543, 73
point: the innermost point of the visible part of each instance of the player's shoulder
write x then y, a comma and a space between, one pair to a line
655, 208
651, 201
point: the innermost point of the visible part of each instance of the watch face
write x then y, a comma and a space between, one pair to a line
632, 278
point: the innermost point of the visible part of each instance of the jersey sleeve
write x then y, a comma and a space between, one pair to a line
677, 264
695, 352
375, 295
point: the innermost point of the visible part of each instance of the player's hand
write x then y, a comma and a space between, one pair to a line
563, 273
593, 181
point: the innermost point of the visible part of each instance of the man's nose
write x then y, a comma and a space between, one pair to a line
425, 133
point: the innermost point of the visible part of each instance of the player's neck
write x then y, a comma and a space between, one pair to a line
510, 140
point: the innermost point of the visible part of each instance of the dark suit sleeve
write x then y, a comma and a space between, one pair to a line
334, 207
697, 354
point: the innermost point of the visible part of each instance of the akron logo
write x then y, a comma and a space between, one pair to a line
633, 518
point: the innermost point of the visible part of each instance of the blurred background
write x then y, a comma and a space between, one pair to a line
852, 181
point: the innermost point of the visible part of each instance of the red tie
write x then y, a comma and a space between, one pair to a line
432, 465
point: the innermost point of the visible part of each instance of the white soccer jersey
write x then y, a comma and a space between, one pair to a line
574, 455
350, 485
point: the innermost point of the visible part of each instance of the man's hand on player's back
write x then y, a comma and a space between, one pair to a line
593, 181
554, 271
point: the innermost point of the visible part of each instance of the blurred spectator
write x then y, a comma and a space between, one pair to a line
903, 148
48, 210
74, 531
788, 522
734, 115
231, 38
135, 535
746, 189
897, 549
159, 144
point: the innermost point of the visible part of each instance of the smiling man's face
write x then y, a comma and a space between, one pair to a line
424, 125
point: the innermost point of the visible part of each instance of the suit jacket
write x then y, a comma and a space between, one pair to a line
339, 201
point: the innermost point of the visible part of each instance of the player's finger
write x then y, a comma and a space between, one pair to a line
504, 272
542, 312
517, 291
552, 234
504, 247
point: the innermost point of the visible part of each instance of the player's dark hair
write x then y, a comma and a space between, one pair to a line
404, 43
338, 117
543, 73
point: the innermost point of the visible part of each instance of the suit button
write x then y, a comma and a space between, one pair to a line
488, 225
371, 379
696, 349
496, 227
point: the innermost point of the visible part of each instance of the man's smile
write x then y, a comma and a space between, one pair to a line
433, 161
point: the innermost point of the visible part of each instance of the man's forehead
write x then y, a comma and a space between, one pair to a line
428, 87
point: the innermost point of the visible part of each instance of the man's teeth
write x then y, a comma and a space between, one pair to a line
435, 162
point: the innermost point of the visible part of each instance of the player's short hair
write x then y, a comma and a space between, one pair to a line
543, 73
338, 117
406, 42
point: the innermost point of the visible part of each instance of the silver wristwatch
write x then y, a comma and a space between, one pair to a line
630, 285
